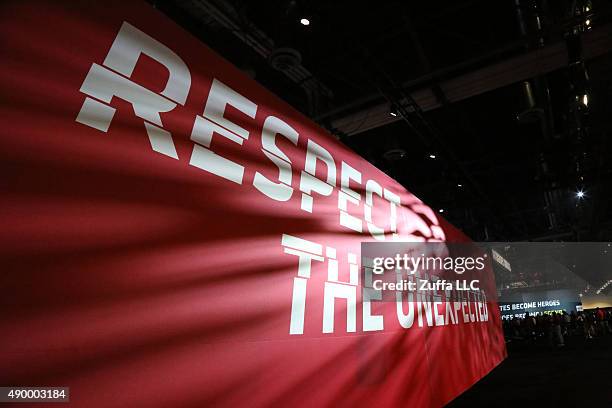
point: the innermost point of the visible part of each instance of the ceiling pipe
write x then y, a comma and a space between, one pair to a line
536, 62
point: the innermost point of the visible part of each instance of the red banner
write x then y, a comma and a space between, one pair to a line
175, 235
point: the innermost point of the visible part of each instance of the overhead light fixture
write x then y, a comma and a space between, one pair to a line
588, 22
432, 156
393, 111
459, 185
305, 21
441, 210
585, 100
580, 194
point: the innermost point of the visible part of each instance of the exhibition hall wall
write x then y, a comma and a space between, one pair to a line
179, 236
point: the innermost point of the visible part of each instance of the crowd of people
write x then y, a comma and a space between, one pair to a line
555, 328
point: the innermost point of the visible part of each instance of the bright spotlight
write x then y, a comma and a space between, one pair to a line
432, 156
588, 22
305, 21
393, 113
585, 100
580, 194
441, 210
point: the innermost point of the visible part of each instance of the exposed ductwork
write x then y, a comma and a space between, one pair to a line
523, 67
286, 62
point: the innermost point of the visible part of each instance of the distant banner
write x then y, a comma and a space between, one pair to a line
551, 277
175, 235
539, 302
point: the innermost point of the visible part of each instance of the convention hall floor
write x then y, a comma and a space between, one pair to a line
577, 375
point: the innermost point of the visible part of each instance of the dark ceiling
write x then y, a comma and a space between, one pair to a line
494, 89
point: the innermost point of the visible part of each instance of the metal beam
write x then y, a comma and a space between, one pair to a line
528, 65
224, 15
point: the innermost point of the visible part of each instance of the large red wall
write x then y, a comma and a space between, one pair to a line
140, 279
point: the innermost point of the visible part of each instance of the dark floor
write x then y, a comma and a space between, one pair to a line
577, 375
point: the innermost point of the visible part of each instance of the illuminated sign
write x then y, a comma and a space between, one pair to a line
172, 225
